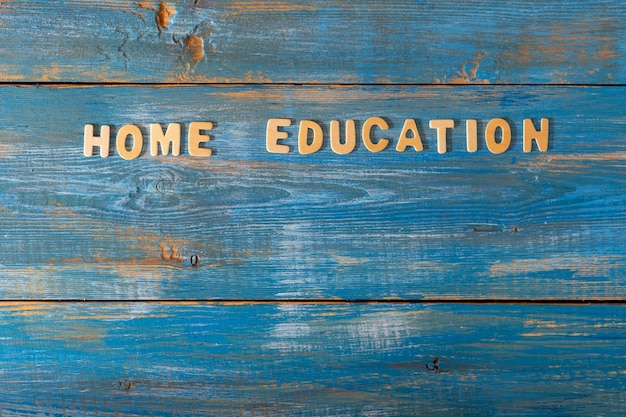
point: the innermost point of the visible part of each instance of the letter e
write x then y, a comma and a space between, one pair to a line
194, 138
273, 135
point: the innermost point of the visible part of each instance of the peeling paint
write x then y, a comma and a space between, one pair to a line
164, 16
580, 266
194, 48
170, 253
471, 77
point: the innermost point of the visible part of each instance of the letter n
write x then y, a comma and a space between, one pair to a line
540, 137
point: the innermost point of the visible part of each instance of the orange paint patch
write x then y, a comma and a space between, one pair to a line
146, 5
256, 78
30, 312
52, 73
606, 54
12, 73
338, 95
60, 211
164, 254
464, 77
25, 306
580, 266
579, 47
164, 16
260, 95
571, 164
193, 49
170, 253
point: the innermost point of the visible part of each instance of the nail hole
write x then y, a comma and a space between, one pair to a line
124, 385
433, 365
195, 261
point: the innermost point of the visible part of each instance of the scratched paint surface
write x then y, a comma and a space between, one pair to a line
320, 229
408, 41
286, 359
359, 226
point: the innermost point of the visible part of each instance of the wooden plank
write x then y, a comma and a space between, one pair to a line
301, 41
311, 359
417, 225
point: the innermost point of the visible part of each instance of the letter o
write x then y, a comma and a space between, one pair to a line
490, 135
120, 141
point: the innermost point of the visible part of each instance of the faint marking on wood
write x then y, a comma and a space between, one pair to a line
52, 73
487, 228
594, 266
606, 54
348, 260
267, 7
583, 42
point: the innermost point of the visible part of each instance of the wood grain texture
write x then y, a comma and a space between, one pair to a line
270, 226
315, 229
314, 360
303, 41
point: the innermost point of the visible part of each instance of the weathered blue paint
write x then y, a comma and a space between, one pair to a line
286, 359
316, 228
303, 41
358, 226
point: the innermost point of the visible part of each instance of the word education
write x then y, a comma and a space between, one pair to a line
311, 137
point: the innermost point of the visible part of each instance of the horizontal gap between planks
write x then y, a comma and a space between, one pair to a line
478, 301
77, 84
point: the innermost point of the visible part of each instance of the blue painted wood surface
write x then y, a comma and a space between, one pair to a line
99, 311
307, 359
410, 225
303, 41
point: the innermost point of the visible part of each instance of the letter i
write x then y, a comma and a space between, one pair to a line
471, 133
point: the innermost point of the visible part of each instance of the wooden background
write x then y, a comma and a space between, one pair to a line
381, 284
